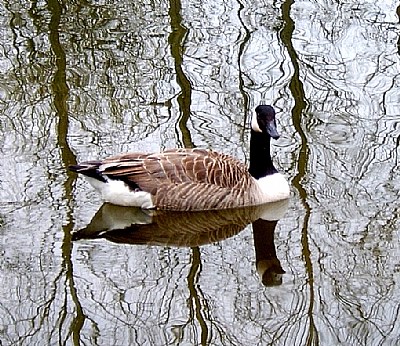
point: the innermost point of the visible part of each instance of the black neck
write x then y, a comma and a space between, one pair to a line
260, 157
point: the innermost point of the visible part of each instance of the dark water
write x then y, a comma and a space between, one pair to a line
85, 79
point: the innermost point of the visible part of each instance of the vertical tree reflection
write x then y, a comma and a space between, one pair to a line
297, 90
242, 47
194, 298
176, 42
60, 90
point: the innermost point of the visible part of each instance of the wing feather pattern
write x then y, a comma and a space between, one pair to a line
184, 179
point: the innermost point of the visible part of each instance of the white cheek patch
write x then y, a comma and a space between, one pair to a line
254, 124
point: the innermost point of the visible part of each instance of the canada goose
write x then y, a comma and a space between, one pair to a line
192, 179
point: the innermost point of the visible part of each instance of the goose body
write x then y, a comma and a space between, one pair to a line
192, 179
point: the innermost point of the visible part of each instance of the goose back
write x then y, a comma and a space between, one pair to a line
185, 179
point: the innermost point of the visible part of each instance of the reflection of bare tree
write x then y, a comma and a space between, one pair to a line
241, 84
117, 68
60, 92
177, 41
123, 62
342, 81
297, 89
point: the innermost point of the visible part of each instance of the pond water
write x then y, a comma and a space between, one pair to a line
82, 80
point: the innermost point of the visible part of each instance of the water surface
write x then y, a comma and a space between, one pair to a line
82, 80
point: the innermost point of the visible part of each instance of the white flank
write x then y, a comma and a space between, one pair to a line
274, 187
118, 193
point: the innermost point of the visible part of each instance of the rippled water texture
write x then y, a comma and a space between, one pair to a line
85, 79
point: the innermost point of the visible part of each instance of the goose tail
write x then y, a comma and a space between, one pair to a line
89, 169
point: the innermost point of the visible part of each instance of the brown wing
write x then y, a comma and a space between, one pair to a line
183, 179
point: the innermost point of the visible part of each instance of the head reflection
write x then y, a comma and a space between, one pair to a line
268, 265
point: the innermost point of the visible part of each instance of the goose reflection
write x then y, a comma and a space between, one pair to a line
130, 225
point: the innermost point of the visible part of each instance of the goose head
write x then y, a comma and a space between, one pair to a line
263, 128
264, 121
